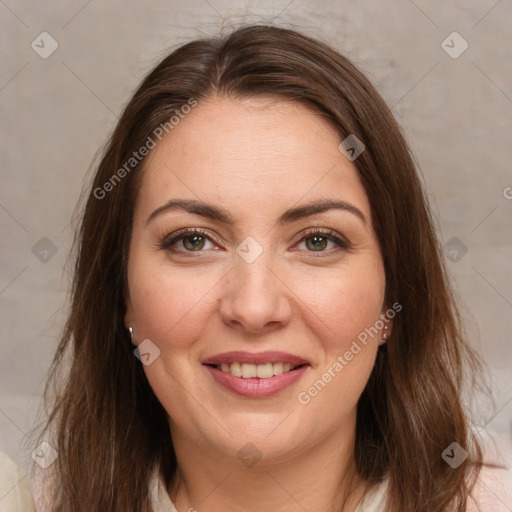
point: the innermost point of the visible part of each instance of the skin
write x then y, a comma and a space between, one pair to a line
256, 158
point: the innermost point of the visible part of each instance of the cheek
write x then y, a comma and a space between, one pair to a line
172, 309
169, 306
344, 303
345, 312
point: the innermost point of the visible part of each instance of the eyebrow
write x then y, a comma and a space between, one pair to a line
218, 213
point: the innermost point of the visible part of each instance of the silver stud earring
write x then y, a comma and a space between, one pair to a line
130, 330
384, 336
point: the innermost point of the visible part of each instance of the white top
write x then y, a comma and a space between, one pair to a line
492, 492
15, 495
372, 502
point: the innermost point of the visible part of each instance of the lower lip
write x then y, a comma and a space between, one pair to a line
255, 388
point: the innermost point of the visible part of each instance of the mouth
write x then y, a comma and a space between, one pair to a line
256, 374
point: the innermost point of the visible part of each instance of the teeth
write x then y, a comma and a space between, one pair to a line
264, 371
250, 371
277, 368
236, 369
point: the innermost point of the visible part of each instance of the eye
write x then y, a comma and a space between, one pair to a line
317, 240
186, 241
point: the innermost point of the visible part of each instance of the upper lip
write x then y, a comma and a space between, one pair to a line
255, 358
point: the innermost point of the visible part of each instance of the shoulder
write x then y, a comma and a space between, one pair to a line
493, 488
15, 495
492, 491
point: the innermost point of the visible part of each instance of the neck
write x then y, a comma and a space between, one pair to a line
322, 478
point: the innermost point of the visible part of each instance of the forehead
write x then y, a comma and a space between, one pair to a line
260, 152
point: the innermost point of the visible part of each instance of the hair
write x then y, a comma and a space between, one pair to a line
109, 428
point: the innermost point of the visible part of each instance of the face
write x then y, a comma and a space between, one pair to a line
218, 292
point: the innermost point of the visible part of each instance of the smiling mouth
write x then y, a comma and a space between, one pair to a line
260, 371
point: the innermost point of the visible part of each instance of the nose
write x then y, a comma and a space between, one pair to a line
255, 298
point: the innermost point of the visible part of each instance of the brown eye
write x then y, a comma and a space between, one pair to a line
186, 241
317, 242
193, 242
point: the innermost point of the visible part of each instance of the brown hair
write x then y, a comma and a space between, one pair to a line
109, 428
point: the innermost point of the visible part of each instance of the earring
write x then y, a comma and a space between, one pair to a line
130, 330
384, 336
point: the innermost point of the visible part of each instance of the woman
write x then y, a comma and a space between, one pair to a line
260, 317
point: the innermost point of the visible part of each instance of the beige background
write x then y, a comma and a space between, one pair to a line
56, 113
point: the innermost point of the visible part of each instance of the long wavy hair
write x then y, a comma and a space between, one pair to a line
104, 420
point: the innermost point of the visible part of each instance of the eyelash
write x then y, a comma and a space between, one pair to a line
170, 240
